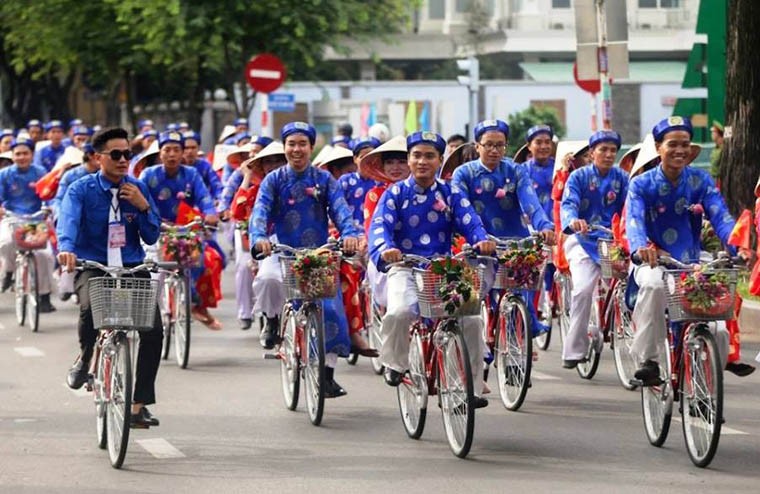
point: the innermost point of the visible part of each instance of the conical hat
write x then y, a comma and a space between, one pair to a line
338, 153
371, 165
453, 160
322, 155
626, 162
274, 148
567, 147
140, 164
227, 132
521, 156
648, 153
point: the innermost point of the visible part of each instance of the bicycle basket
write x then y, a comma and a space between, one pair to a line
123, 303
712, 301
432, 305
612, 259
186, 249
31, 235
309, 283
521, 264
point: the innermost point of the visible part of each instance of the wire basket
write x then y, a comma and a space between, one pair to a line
123, 303
681, 309
185, 249
31, 235
428, 285
321, 283
507, 277
617, 268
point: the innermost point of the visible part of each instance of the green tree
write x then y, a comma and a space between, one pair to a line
520, 122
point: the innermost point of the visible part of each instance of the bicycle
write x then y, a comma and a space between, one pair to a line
689, 362
301, 350
31, 234
120, 306
372, 317
439, 361
510, 332
183, 246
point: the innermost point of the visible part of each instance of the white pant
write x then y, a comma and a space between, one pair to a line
243, 279
268, 292
402, 310
649, 318
44, 257
585, 274
377, 281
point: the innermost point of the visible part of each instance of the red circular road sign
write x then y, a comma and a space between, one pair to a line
265, 73
589, 85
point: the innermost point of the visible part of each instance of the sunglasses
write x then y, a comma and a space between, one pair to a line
116, 154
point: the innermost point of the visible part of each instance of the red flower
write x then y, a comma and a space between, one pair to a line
500, 194
696, 209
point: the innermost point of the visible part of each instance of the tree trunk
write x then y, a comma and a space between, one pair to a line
740, 157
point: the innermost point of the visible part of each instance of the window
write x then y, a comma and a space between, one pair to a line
462, 5
465, 6
669, 4
436, 9
647, 4
560, 4
663, 4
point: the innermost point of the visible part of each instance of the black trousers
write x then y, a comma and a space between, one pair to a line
149, 350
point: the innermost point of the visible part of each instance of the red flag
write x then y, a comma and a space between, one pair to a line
47, 186
740, 234
186, 213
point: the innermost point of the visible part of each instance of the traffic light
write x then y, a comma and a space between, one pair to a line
472, 67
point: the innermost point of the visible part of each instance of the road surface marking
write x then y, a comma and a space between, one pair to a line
2, 326
543, 377
723, 430
24, 420
160, 448
29, 351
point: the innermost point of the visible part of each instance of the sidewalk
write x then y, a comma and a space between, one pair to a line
749, 321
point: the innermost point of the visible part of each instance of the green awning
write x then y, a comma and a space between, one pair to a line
670, 71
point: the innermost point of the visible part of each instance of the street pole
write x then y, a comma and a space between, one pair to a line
472, 81
603, 62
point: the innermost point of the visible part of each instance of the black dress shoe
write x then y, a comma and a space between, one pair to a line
78, 374
392, 377
65, 296
479, 402
333, 389
570, 364
143, 419
45, 306
7, 282
740, 368
648, 373
270, 333
245, 324
365, 352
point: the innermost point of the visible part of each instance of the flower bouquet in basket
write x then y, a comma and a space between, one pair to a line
618, 260
31, 235
709, 239
705, 294
186, 249
315, 273
458, 291
523, 263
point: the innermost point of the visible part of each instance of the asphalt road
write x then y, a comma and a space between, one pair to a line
224, 429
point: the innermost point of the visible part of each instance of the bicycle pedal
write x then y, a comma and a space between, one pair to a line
272, 356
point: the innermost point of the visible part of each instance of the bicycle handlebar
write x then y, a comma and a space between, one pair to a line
39, 215
408, 260
151, 266
198, 221
723, 260
332, 244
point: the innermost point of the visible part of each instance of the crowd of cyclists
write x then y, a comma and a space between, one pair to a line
386, 199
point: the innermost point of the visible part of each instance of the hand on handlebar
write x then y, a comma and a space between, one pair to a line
68, 260
547, 236
264, 247
579, 226
486, 247
648, 255
392, 255
350, 245
211, 219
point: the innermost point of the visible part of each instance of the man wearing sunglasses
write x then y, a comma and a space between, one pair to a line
103, 217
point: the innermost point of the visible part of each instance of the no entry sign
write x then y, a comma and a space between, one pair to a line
265, 73
592, 86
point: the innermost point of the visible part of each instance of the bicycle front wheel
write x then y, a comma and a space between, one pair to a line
290, 375
588, 368
413, 390
544, 307
455, 392
182, 323
313, 357
701, 393
167, 316
32, 294
119, 398
20, 289
621, 328
657, 402
101, 404
562, 282
373, 335
514, 352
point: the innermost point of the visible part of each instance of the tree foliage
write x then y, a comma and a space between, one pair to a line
173, 49
520, 122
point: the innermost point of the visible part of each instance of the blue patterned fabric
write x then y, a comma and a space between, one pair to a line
543, 179
168, 191
595, 198
659, 211
48, 155
501, 216
209, 176
355, 188
421, 221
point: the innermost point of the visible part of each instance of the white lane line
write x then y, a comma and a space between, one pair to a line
543, 377
81, 392
160, 448
2, 326
29, 351
723, 430
24, 420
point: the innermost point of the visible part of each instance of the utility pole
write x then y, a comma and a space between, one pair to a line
472, 81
